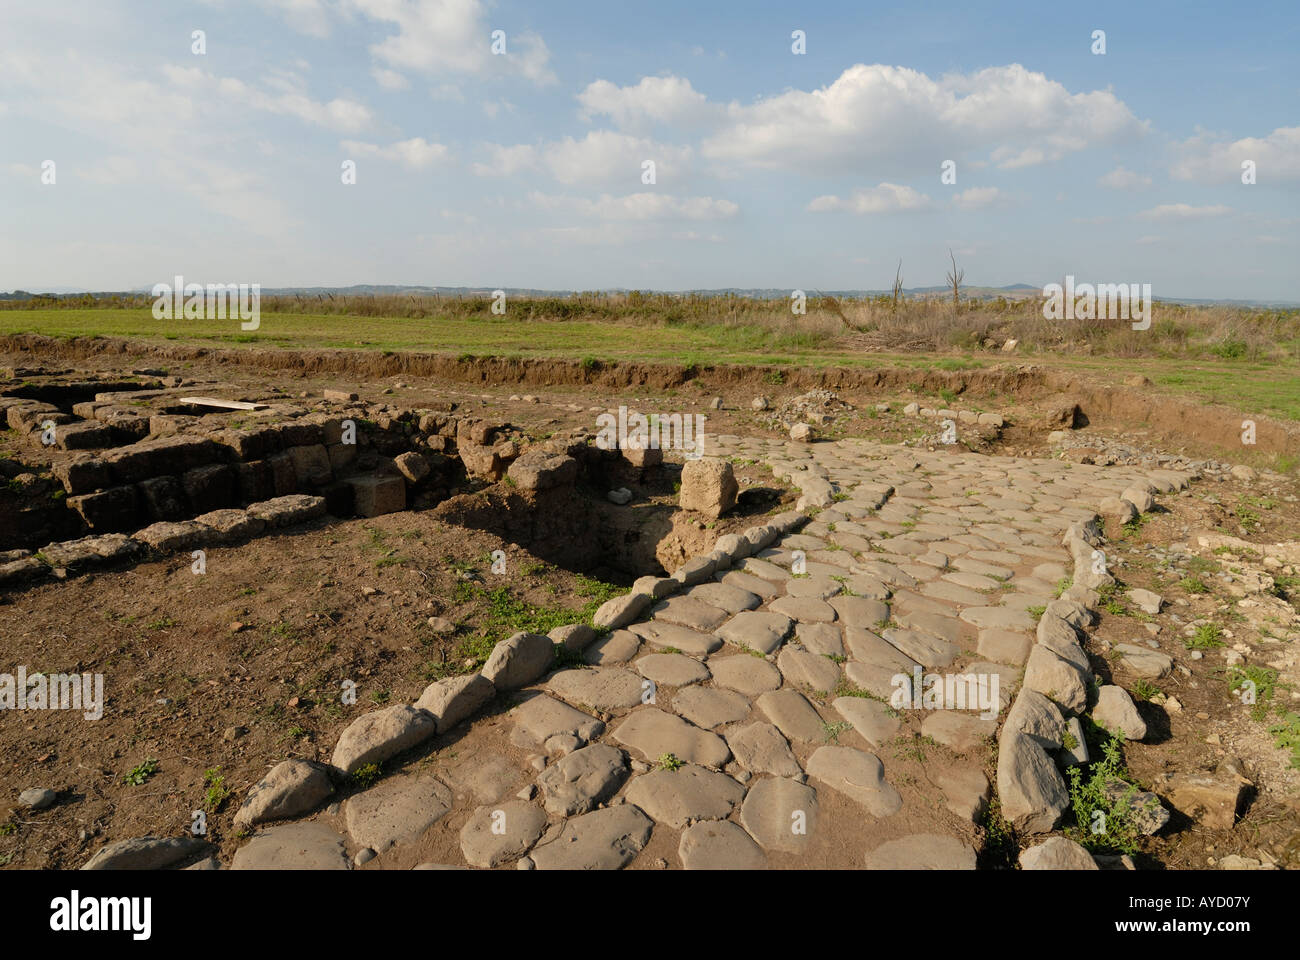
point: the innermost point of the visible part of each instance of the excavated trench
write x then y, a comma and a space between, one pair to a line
1168, 419
137, 461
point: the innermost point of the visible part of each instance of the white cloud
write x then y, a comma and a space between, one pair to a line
1184, 211
1148, 241
306, 16
493, 107
667, 100
507, 161
448, 92
900, 119
885, 198
416, 153
602, 156
977, 198
1122, 179
1276, 156
639, 206
341, 114
389, 79
451, 36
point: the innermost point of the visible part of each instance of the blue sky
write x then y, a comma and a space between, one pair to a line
812, 171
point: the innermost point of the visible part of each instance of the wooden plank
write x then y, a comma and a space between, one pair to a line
224, 404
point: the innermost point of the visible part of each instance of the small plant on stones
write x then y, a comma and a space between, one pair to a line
365, 775
1144, 689
217, 792
1105, 820
833, 729
669, 762
1206, 637
140, 774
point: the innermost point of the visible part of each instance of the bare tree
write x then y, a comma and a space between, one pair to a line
898, 285
955, 277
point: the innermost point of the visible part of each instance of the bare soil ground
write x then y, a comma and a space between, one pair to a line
217, 677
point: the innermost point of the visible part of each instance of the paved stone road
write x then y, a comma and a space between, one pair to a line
741, 720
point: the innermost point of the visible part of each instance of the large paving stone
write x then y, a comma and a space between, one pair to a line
858, 775
496, 834
379, 735
760, 748
780, 814
922, 851
672, 669
1005, 646
601, 840
542, 717
745, 674
673, 637
960, 731
816, 588
1056, 679
579, 781
484, 776
1036, 717
519, 661
938, 624
764, 569
724, 597
144, 853
1057, 853
874, 720
689, 793
792, 714
808, 670
764, 589
292, 787
603, 689
965, 791
923, 648
761, 630
455, 699
824, 639
653, 733
691, 613
709, 707
620, 611
719, 845
1116, 712
293, 846
396, 811
619, 646
1144, 661
1031, 789
1003, 618
803, 609
861, 612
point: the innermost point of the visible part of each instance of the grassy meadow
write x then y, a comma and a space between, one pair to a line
1243, 357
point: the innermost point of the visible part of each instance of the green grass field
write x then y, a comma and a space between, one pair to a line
1268, 385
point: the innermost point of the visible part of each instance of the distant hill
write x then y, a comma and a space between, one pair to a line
1012, 291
